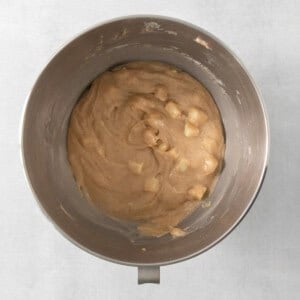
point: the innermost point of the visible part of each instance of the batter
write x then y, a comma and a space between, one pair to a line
145, 144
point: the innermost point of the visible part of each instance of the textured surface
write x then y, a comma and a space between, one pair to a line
131, 151
259, 260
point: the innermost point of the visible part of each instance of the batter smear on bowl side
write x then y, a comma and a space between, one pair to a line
145, 143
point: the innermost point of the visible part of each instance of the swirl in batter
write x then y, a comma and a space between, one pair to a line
145, 143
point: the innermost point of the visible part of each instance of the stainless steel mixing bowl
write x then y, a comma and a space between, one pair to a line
59, 86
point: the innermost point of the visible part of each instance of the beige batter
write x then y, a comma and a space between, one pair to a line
145, 143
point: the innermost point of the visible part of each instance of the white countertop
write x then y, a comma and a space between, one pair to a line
259, 260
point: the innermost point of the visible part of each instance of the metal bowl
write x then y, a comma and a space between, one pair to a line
61, 83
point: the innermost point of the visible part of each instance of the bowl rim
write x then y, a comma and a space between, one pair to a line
266, 129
